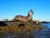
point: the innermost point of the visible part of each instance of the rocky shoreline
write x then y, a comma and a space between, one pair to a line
21, 26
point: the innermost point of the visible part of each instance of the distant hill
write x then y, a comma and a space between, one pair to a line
45, 22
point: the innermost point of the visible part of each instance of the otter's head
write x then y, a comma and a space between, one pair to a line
30, 13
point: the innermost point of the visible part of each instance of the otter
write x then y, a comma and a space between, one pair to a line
24, 18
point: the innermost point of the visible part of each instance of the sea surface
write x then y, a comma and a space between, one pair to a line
35, 34
46, 24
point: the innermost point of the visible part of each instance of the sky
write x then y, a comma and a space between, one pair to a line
10, 8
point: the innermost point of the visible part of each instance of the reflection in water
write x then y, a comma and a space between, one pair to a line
15, 35
44, 34
34, 34
1, 34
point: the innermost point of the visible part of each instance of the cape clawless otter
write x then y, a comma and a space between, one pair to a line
24, 18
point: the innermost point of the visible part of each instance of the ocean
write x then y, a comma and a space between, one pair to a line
46, 32
46, 24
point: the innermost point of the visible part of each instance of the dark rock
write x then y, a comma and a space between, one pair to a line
2, 23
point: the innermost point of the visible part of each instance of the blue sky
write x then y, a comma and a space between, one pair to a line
10, 8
